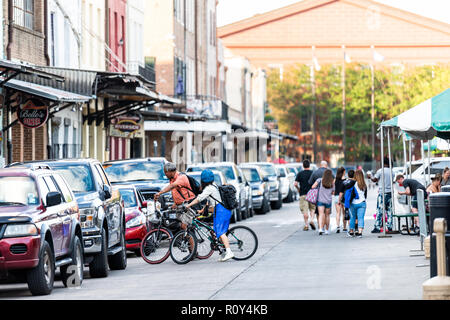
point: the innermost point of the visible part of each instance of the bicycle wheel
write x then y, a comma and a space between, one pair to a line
243, 242
183, 247
155, 247
204, 248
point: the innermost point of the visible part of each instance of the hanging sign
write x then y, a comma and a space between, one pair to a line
127, 127
33, 113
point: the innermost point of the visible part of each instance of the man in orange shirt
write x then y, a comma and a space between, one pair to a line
179, 186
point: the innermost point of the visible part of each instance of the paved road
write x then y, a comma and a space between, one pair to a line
289, 264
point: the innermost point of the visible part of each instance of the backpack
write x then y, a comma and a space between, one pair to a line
194, 187
349, 196
228, 195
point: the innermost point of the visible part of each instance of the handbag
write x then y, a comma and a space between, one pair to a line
313, 195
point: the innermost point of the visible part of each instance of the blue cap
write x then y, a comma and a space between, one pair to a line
207, 176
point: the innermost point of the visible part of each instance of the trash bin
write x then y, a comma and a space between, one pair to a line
439, 208
445, 188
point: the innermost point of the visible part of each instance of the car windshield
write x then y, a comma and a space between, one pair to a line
251, 174
268, 170
281, 172
227, 171
78, 176
129, 197
135, 171
18, 191
197, 177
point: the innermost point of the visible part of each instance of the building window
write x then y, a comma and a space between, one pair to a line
24, 13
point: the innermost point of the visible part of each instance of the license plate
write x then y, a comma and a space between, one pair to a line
172, 216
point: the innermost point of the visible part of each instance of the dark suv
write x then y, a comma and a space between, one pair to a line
39, 229
102, 214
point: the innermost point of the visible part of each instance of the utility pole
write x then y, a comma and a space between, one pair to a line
344, 106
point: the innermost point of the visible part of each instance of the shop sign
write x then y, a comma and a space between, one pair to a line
33, 113
127, 127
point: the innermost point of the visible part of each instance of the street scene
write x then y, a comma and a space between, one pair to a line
221, 150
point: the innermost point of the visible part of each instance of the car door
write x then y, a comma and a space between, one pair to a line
52, 215
112, 207
68, 214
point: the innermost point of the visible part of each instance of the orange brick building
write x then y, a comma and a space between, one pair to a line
324, 29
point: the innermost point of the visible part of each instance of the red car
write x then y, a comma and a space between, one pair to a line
39, 229
135, 217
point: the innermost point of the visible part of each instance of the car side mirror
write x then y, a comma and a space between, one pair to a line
53, 199
107, 191
266, 179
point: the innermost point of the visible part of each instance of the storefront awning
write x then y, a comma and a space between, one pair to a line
10, 70
45, 92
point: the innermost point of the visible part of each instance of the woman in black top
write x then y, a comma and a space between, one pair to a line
338, 183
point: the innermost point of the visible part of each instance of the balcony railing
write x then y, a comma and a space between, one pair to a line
148, 73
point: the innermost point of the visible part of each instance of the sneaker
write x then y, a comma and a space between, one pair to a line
376, 230
305, 228
312, 225
338, 230
228, 255
344, 230
327, 232
350, 234
320, 232
358, 235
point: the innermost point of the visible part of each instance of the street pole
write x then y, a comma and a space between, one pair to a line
373, 116
344, 105
313, 84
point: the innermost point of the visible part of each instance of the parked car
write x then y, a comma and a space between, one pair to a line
231, 173
420, 170
286, 178
271, 177
136, 221
102, 215
248, 195
260, 189
39, 229
146, 174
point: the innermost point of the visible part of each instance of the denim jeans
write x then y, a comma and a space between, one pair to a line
388, 208
357, 211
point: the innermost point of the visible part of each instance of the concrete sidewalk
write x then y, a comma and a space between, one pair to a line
308, 266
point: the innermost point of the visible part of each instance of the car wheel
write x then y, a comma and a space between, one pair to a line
40, 279
98, 268
72, 274
119, 260
290, 197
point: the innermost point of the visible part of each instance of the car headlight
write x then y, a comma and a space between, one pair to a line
257, 192
137, 221
20, 230
87, 217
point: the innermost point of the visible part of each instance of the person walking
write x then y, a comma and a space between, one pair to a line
317, 174
306, 208
338, 186
324, 200
221, 215
358, 205
388, 178
347, 184
446, 177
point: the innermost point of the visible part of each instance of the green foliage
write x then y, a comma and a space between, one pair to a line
397, 89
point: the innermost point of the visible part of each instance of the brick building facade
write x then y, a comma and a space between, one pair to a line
24, 39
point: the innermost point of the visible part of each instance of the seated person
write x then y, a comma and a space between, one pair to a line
435, 185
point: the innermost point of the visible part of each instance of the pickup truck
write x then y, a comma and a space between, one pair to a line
102, 213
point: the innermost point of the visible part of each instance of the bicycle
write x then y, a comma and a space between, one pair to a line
155, 247
199, 240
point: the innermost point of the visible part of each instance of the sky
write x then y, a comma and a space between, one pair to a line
230, 11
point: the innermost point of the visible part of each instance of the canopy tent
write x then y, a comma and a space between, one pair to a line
426, 120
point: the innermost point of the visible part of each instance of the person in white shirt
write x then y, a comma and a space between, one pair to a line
221, 215
358, 206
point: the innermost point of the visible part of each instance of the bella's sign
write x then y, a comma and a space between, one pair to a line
33, 113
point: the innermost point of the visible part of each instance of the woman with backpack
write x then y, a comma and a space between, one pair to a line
358, 205
324, 200
221, 215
